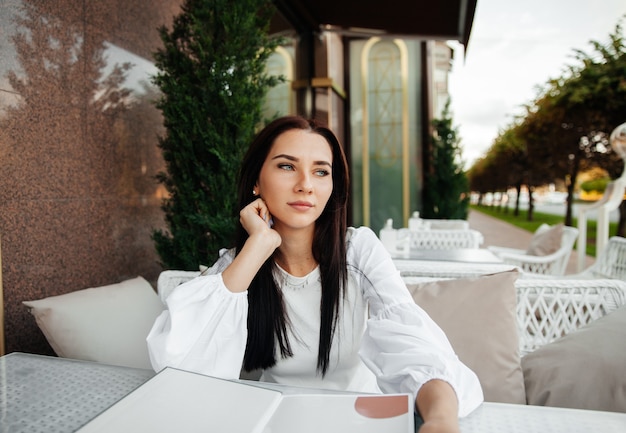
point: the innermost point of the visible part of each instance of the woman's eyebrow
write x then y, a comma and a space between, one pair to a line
294, 159
283, 155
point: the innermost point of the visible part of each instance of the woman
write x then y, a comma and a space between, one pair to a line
307, 300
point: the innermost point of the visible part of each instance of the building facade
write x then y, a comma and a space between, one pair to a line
78, 196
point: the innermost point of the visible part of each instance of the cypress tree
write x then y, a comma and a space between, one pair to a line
446, 187
213, 83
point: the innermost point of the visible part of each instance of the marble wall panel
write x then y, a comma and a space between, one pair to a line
78, 150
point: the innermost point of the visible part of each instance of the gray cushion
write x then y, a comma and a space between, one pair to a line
546, 240
478, 316
585, 369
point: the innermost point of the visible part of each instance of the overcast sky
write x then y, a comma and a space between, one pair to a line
514, 47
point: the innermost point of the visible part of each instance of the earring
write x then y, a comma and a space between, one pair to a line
253, 191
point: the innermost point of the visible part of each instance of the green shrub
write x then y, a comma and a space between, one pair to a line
446, 187
213, 84
598, 185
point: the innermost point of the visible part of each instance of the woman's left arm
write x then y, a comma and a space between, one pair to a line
402, 345
438, 406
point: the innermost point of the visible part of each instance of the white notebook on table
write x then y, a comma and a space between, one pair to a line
176, 400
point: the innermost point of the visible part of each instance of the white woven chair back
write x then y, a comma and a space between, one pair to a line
444, 239
611, 263
447, 224
549, 308
169, 280
551, 264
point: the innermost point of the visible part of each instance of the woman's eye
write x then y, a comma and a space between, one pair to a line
321, 172
286, 167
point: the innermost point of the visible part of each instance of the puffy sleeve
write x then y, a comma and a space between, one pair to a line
402, 345
203, 328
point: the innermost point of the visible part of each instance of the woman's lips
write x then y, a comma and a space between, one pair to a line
301, 205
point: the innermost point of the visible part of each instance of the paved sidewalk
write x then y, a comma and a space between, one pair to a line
499, 233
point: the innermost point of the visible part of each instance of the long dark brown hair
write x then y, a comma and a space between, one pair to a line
267, 319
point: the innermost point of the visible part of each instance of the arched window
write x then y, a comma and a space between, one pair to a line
279, 100
383, 114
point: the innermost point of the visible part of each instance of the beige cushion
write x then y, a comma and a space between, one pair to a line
546, 240
108, 324
478, 316
586, 369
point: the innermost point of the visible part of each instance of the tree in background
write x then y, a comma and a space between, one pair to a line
213, 83
594, 100
566, 129
446, 188
510, 163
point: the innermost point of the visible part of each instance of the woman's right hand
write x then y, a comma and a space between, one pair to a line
257, 221
260, 245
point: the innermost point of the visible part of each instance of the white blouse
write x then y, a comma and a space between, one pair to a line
383, 342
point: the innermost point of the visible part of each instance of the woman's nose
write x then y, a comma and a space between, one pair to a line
304, 183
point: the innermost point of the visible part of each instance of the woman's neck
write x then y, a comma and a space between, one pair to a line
295, 254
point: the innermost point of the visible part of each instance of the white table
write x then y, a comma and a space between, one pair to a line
55, 395
431, 268
464, 255
515, 418
457, 263
43, 394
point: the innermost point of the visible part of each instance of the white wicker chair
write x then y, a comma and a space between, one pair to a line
548, 309
551, 264
447, 224
443, 239
169, 280
611, 262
